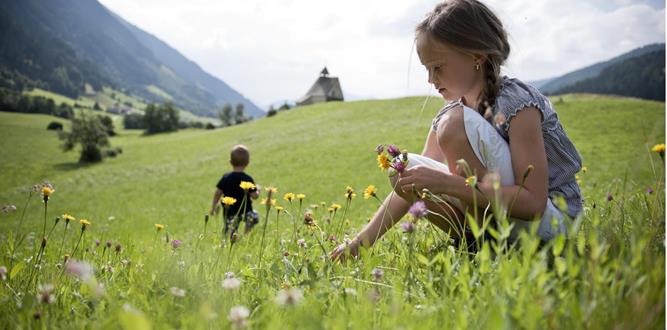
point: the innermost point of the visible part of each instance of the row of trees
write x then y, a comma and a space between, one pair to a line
13, 101
230, 117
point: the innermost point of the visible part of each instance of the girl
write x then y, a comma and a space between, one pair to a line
496, 124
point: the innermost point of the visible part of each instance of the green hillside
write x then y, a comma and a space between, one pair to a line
608, 274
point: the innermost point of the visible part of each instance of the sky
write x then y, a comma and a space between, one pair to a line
271, 51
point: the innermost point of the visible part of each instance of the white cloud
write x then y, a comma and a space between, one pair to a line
271, 51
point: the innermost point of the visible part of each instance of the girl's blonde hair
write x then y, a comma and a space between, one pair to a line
471, 26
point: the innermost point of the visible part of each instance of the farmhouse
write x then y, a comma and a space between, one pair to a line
324, 89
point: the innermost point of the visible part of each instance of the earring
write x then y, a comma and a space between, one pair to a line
477, 66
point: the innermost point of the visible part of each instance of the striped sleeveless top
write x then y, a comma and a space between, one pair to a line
563, 159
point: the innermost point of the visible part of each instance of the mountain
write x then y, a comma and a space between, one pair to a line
555, 84
122, 54
642, 76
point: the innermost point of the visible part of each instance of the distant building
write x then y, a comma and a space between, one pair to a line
325, 89
121, 109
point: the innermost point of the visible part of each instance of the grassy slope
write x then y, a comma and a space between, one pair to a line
316, 150
319, 150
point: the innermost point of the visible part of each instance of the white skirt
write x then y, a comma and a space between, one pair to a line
494, 153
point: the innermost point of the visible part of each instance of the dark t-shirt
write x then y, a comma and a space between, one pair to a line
230, 186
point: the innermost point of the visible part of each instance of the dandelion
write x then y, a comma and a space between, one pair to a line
418, 210
393, 150
175, 243
408, 227
349, 193
231, 283
228, 201
383, 162
84, 224
300, 196
68, 218
370, 191
584, 169
289, 197
270, 191
245, 185
660, 149
279, 209
335, 206
177, 292
289, 297
45, 294
264, 201
47, 190
238, 315
158, 226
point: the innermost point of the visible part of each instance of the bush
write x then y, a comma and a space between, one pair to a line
160, 119
210, 126
134, 121
90, 133
55, 126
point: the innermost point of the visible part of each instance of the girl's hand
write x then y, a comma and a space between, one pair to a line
422, 176
341, 251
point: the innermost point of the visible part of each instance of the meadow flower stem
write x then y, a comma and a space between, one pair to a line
46, 204
16, 244
261, 244
77, 244
60, 250
340, 226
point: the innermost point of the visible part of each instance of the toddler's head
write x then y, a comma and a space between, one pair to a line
240, 156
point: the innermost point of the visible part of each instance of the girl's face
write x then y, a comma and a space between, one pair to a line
451, 71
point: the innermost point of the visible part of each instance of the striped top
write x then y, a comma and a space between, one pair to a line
563, 159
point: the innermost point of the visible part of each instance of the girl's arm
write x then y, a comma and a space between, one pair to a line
526, 148
392, 209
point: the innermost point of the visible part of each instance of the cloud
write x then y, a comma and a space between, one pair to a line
273, 51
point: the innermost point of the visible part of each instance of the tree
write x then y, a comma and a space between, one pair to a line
226, 115
108, 124
239, 117
160, 119
88, 132
134, 121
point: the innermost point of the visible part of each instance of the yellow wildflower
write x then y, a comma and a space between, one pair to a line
289, 197
383, 162
245, 185
660, 149
300, 196
370, 191
584, 169
335, 206
279, 208
68, 218
228, 201
84, 224
159, 226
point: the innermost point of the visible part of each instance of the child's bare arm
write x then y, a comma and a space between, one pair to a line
216, 200
255, 194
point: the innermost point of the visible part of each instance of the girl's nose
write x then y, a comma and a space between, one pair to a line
431, 77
